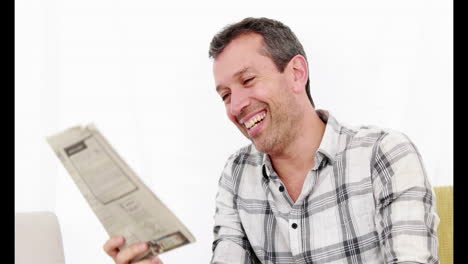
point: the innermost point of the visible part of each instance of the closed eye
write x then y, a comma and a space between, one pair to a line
248, 80
224, 97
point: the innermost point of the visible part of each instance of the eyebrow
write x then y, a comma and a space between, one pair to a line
245, 69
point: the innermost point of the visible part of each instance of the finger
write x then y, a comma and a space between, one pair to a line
131, 252
111, 247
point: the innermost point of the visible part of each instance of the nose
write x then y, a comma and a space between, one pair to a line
239, 100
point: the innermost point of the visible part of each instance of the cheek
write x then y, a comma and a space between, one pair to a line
269, 87
233, 119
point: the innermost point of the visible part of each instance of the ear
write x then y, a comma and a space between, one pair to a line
299, 73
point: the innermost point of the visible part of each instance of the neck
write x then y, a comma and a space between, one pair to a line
295, 160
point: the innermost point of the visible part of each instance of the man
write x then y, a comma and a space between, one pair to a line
308, 189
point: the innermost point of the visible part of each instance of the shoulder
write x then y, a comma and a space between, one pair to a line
375, 136
396, 154
391, 140
381, 140
380, 145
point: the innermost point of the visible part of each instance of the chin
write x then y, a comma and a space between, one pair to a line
261, 147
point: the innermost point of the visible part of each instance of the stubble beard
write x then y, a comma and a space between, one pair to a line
282, 128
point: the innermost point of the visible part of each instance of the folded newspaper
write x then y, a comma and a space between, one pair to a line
121, 201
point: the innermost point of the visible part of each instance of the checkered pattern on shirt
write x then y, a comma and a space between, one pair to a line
368, 200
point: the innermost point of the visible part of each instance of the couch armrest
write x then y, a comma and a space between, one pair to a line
38, 239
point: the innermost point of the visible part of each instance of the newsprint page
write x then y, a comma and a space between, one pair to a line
121, 201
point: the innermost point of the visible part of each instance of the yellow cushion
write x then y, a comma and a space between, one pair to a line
444, 197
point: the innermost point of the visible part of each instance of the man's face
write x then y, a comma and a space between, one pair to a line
256, 95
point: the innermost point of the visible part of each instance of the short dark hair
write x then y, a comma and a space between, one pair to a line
281, 44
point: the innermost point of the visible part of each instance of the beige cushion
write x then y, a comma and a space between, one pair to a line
444, 198
38, 239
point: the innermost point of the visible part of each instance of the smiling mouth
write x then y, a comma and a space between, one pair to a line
255, 120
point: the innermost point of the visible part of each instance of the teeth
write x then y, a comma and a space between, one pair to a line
253, 122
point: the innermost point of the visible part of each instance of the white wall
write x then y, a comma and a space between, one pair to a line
140, 71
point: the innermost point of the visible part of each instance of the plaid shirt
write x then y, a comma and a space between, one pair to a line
368, 200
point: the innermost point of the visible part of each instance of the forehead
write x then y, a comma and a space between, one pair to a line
242, 52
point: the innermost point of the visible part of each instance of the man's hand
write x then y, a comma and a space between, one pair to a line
125, 256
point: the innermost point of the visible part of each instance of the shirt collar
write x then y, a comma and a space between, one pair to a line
329, 146
331, 140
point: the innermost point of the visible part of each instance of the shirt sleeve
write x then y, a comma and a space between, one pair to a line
230, 243
406, 215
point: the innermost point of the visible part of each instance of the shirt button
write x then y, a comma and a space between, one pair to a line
281, 188
294, 225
